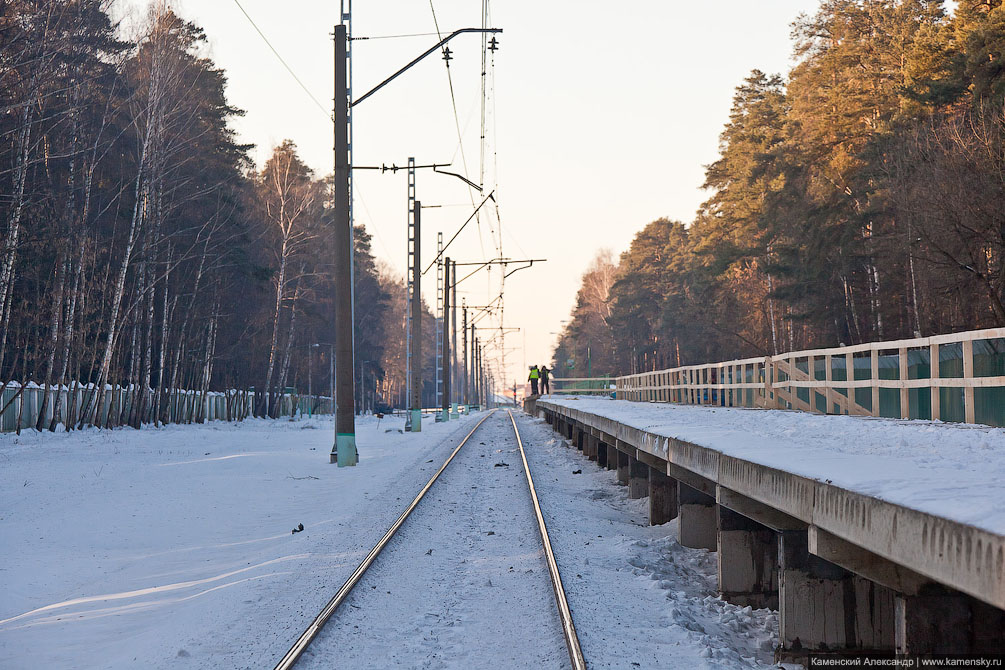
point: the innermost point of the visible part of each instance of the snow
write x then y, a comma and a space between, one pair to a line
638, 598
465, 584
173, 547
463, 581
132, 548
947, 469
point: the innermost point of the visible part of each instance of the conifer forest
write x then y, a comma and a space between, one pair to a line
142, 248
858, 197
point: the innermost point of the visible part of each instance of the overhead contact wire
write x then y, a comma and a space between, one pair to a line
283, 61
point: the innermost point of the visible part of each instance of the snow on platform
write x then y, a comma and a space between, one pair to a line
955, 471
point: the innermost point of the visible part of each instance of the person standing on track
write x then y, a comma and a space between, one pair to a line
532, 378
545, 376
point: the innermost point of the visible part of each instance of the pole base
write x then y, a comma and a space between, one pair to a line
454, 412
416, 415
345, 450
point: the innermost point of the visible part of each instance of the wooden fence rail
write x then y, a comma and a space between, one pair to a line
958, 377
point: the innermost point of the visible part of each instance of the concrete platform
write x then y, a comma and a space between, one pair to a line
884, 557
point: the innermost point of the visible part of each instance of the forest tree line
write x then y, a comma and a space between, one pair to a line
142, 247
862, 198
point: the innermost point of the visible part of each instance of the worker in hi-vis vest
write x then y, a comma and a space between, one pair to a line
533, 377
545, 384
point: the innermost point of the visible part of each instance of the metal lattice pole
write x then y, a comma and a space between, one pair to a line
439, 319
413, 274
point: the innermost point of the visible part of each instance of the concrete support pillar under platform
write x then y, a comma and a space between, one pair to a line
698, 523
600, 449
943, 621
638, 479
589, 446
612, 455
662, 497
624, 461
824, 608
748, 561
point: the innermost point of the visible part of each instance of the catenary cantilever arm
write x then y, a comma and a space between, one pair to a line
426, 53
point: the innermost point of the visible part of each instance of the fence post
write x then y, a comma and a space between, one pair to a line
734, 380
769, 378
874, 375
968, 374
905, 398
828, 380
849, 373
936, 391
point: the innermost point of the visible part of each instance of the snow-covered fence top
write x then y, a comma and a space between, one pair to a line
957, 377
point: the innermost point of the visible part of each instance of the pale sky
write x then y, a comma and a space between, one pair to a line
602, 118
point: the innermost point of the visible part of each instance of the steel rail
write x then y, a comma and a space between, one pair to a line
564, 613
308, 635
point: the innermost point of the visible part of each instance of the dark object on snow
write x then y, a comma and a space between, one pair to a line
577, 472
500, 464
299, 528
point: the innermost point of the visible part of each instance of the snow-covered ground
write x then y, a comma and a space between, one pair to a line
948, 469
463, 584
172, 548
638, 598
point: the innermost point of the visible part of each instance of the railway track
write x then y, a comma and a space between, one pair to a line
576, 657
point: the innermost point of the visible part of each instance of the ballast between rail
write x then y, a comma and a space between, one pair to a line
298, 648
